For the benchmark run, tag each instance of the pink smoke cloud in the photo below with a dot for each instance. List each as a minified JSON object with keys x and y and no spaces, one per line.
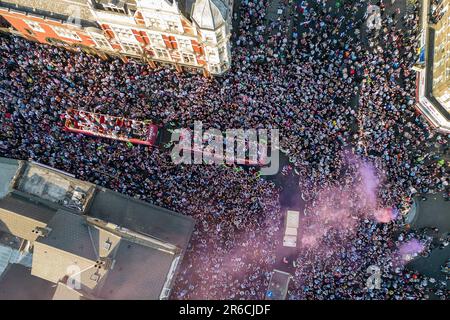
{"x":369,"y":184}
{"x":385,"y":215}
{"x":343,"y":206}
{"x":410,"y":249}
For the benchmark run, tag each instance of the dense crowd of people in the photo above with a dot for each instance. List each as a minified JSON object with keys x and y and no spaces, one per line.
{"x":302,"y":73}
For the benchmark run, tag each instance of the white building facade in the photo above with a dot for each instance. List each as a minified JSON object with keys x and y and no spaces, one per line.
{"x":164,"y":33}
{"x":188,"y":35}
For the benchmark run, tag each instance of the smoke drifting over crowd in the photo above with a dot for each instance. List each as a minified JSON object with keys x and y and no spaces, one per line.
{"x":342,"y":207}
{"x":409,"y":249}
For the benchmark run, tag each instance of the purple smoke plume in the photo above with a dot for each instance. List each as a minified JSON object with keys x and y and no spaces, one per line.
{"x":409,"y":249}
{"x":369,"y":183}
{"x":343,"y":206}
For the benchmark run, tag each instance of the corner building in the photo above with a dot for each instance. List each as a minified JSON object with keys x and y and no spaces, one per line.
{"x":190,"y":35}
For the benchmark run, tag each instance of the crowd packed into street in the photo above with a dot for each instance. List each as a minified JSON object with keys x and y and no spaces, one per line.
{"x":302,"y":75}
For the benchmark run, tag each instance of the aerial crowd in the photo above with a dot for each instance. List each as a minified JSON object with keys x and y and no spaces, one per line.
{"x":334,"y":89}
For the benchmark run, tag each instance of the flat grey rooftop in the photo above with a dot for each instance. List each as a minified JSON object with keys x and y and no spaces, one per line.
{"x":141,"y":266}
{"x":54,"y":186}
{"x":70,"y":233}
{"x":18,"y":284}
{"x":139,"y":273}
{"x":142,"y":217}
{"x":18,"y":205}
{"x":8,"y":169}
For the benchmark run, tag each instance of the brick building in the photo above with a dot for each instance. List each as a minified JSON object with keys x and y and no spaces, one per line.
{"x":190,"y":35}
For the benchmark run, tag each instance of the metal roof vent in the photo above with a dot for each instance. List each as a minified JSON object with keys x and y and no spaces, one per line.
{"x":42,"y":231}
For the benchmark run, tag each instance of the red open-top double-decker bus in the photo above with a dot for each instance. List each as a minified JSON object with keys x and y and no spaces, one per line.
{"x":186,"y":139}
{"x":106,"y":126}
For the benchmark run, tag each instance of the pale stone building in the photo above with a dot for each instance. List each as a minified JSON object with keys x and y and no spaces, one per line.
{"x":433,"y":65}
{"x":189,"y":35}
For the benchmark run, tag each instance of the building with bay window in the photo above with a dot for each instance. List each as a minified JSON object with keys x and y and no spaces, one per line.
{"x":433,"y":65}
{"x":188,"y":35}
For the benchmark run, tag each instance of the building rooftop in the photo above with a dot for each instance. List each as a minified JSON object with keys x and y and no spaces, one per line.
{"x":141,"y":217}
{"x":60,"y":9}
{"x":64,"y":292}
{"x":16,"y":204}
{"x":48,"y":184}
{"x":136,"y":264}
{"x":210,"y":14}
{"x":122,"y":248}
{"x":433,"y":93}
{"x":17,"y":283}
{"x":70,"y":233}
{"x":8,"y":170}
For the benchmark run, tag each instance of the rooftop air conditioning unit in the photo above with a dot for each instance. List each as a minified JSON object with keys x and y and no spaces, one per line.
{"x":42,"y":231}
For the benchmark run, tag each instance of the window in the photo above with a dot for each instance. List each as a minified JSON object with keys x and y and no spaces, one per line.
{"x":35,"y":26}
{"x":131,"y":47}
{"x":156,"y":40}
{"x":101,"y":42}
{"x":185,"y":44}
{"x":124,"y":33}
{"x":154,"y":23}
{"x":66,"y":33}
{"x":188,"y":58}
{"x":172,"y":25}
{"x":162,"y":53}
{"x":221,"y":53}
{"x":438,"y":63}
{"x":212,"y":53}
{"x":219,"y":36}
{"x":113,"y":7}
{"x":437,"y":80}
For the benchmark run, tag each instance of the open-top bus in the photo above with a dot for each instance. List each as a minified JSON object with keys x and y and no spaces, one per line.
{"x":106,"y":126}
{"x":241,"y":146}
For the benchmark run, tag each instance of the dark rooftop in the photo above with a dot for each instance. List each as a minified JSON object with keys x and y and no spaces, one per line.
{"x":17,"y":283}
{"x":141,"y":267}
{"x":70,"y":233}
{"x":142,"y":217}
{"x":139,"y":273}
{"x":21,"y":206}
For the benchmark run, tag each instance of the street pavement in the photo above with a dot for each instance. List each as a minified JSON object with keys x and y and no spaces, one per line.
{"x":432,"y":213}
